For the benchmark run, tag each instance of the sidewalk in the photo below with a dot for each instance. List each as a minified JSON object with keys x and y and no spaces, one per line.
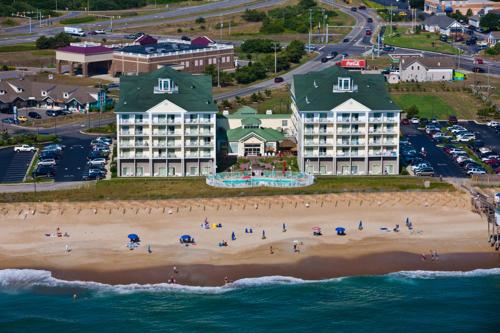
{"x":30,"y":187}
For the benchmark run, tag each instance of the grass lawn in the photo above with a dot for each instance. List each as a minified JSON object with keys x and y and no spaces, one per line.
{"x":429,"y":106}
{"x":78,"y":20}
{"x":181,"y":188}
{"x":18,"y":47}
{"x":420,"y":42}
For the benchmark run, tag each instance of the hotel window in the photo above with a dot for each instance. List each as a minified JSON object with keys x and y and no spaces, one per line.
{"x":186,"y":64}
{"x":209,"y":61}
{"x":223,"y":60}
{"x":344,"y":84}
{"x":284,"y":123}
{"x":193,"y":171}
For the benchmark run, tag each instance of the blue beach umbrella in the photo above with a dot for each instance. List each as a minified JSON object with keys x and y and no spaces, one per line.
{"x":340,"y":230}
{"x":185,"y":238}
{"x":233,"y":236}
{"x":133,"y":237}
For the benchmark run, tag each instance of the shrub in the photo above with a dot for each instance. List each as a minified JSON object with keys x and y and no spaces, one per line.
{"x":200,"y":20}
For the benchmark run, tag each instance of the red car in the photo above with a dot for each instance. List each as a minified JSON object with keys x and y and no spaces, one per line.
{"x":492,"y":161}
{"x":452,"y":120}
{"x":497,"y":171}
{"x":405,"y":121}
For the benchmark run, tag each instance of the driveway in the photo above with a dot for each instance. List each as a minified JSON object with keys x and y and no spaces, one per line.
{"x":443,"y":165}
{"x":13,"y":166}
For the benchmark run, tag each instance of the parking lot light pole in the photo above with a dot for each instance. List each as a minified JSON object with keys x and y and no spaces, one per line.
{"x":33,"y":175}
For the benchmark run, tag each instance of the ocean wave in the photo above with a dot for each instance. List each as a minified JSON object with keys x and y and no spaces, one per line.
{"x":440,"y":274}
{"x":14,"y":280}
{"x":26,"y":279}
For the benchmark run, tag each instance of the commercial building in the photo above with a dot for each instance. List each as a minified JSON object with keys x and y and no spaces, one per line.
{"x":493,"y":38}
{"x":424,"y":69}
{"x":26,"y":93}
{"x":247,"y":133}
{"x":345,"y":123}
{"x":463,"y":6}
{"x":166,"y":125}
{"x":84,"y":58}
{"x":442,"y":24}
{"x":193,"y":56}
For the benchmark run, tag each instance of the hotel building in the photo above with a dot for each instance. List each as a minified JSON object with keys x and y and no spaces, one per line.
{"x":166,"y":125}
{"x":345,"y":123}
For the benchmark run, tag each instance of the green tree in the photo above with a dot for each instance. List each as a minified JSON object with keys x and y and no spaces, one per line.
{"x":469,"y":12}
{"x":251,"y":73}
{"x":200,"y":20}
{"x":259,"y":45}
{"x":412,"y":112}
{"x":490,"y":21}
{"x":252,"y":15}
{"x":295,"y":51}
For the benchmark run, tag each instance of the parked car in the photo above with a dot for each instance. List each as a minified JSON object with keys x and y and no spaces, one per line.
{"x":493,"y":123}
{"x":49,"y":154}
{"x":414,"y":120}
{"x":44,"y":171}
{"x":452,"y":120}
{"x":9,"y":121}
{"x":47,"y":162}
{"x":21,"y":148}
{"x":354,"y":9}
{"x":278,"y":79}
{"x":369,"y":20}
{"x":476,"y":171}
{"x":466,"y":137}
{"x":389,"y":49}
{"x":52,"y":113}
{"x":421,"y":165}
{"x":425,"y":172}
{"x":345,"y":40}
{"x":54,"y":146}
{"x":405,"y":121}
{"x":22,"y":118}
{"x":97,"y":161}
{"x":104,"y":139}
{"x":34,"y":115}
{"x":100,"y":32}
{"x":93,"y":176}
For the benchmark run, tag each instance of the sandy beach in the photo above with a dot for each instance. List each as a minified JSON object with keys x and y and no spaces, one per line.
{"x":97,"y":236}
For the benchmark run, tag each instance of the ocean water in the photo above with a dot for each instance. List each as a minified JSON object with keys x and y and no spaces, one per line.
{"x":416,"y":301}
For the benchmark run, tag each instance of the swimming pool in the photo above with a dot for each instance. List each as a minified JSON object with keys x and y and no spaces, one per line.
{"x":270,"y":179}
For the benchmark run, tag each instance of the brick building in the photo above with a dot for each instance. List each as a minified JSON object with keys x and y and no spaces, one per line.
{"x":193,"y":58}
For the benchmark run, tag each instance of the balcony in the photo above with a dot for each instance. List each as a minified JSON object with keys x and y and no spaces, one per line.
{"x":205,"y":133}
{"x":171,"y":155}
{"x":174,"y":133}
{"x":126,"y":144}
{"x":126,"y":121}
{"x":191,"y":133}
{"x":173,"y":120}
{"x":126,"y":133}
{"x":204,"y":120}
{"x":325,"y":120}
{"x":129,"y":155}
{"x":159,"y":121}
{"x":140,"y":121}
{"x":310,"y":120}
{"x":206,"y":143}
{"x":141,"y":144}
{"x":191,"y":120}
{"x":325,"y":142}
{"x":159,"y":155}
{"x":160,"y":133}
{"x":143,"y":155}
{"x":191,"y":144}
{"x":375,"y":131}
{"x":311,"y":143}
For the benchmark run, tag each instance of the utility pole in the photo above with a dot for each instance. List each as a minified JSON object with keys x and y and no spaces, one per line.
{"x":275,"y":58}
{"x":310,"y":29}
{"x":218,"y":72}
{"x":323,"y":14}
{"x":220,"y":27}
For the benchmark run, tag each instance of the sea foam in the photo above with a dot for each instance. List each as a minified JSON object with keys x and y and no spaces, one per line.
{"x":12,"y":280}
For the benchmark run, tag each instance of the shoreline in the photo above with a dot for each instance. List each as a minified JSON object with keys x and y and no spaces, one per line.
{"x":310,"y":269}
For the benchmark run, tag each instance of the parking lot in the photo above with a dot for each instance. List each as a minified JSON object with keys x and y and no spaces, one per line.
{"x":13,"y":166}
{"x":485,"y":133}
{"x":73,"y":161}
{"x":442,"y":164}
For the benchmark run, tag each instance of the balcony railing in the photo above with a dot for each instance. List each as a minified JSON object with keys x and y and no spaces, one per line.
{"x":191,"y":144}
{"x":174,"y":133}
{"x":173,"y":120}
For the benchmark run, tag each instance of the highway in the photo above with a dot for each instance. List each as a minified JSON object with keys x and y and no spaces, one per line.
{"x":214,"y":9}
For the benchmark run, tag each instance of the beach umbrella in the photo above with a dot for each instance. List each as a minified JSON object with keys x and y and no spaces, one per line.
{"x":185,"y":238}
{"x":316,"y":228}
{"x":233,"y":236}
{"x":133,"y":237}
{"x":340,"y":230}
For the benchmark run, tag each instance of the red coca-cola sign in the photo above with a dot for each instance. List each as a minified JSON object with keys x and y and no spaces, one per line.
{"x":353,"y":63}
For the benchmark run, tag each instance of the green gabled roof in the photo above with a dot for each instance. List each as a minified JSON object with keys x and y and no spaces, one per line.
{"x":194,"y":94}
{"x":250,"y":121}
{"x":267,"y":134}
{"x":314,"y":91}
{"x":245,"y":110}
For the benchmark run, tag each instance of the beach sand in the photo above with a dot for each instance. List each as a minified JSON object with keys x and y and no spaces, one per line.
{"x":442,"y":222}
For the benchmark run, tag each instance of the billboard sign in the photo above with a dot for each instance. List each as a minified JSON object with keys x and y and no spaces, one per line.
{"x":353,"y":63}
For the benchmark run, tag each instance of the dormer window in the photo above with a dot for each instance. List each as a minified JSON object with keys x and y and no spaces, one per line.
{"x":65,"y":95}
{"x":344,"y":84}
{"x":20,"y":90}
{"x":44,"y":93}
{"x":165,"y":86}
{"x":2,"y":92}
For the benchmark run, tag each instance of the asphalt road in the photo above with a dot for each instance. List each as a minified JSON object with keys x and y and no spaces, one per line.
{"x":177,"y":15}
{"x":443,"y":165}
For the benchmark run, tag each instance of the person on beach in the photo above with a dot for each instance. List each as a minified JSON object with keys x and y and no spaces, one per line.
{"x":436,"y":257}
{"x":360,"y":225}
{"x":432,"y":255}
{"x":226,"y":280}
{"x":175,"y":270}
{"x":149,"y":249}
{"x":263,"y":234}
{"x":271,"y":250}
{"x":284,"y":227}
{"x":295,"y":250}
{"x":424,"y":257}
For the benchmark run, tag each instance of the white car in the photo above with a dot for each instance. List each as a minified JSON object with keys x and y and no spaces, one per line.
{"x":47,"y":162}
{"x":457,"y":129}
{"x":24,"y":148}
{"x":454,"y":151}
{"x":466,"y":138}
{"x":493,"y":123}
{"x":476,"y":171}
{"x":100,"y":32}
{"x":484,"y":150}
{"x":97,"y":161}
{"x":414,"y":121}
